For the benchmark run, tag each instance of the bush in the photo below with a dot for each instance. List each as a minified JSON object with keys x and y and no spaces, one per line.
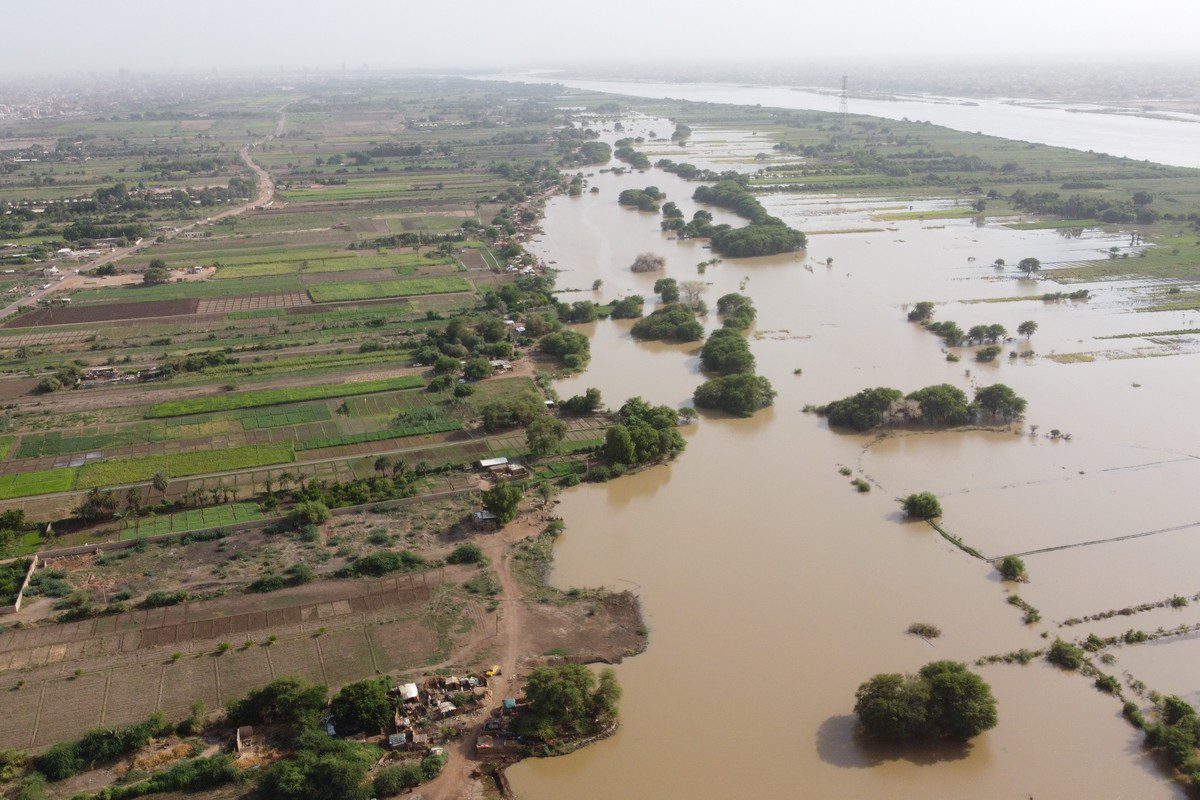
{"x":391,"y":781}
{"x":308,"y":512}
{"x":1012,"y":568}
{"x":466,"y":554}
{"x":648,"y":262}
{"x":1065,"y":655}
{"x":377,"y":565}
{"x":922,"y":505}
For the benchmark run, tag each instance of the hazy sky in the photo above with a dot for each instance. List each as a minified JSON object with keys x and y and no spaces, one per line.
{"x":103,"y":35}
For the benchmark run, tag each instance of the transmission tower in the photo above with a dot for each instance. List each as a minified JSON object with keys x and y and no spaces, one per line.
{"x":844,"y":106}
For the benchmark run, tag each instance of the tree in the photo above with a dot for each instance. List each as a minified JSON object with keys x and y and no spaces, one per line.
{"x":741,"y":394}
{"x":960,"y":704}
{"x":1142,"y":198}
{"x":999,"y":402}
{"x":99,"y":504}
{"x":1027,"y":328}
{"x":1029,"y":265}
{"x":672,"y":322}
{"x":648,"y":262}
{"x":157,"y":263}
{"x":943,"y":404}
{"x":477,"y":369}
{"x":362,"y":706}
{"x":1012,"y":568}
{"x":944,"y":700}
{"x":922,"y":505}
{"x":585,"y":403}
{"x":727,"y":352}
{"x":921,"y":311}
{"x":503,"y":500}
{"x":667,"y":289}
{"x":861,"y":411}
{"x":384,"y":464}
{"x":154,"y":276}
{"x":288,"y":701}
{"x":545,"y":434}
{"x":160,"y":481}
{"x":891,"y":706}
{"x":565,"y":702}
{"x":618,"y":446}
{"x":693,"y":292}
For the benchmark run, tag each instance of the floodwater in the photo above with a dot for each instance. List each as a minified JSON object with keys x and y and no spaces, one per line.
{"x":772,"y":588}
{"x":1081,"y":127}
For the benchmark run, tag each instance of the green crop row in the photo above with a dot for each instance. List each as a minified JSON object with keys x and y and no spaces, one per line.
{"x":379,"y":436}
{"x":272,"y":397}
{"x":368,"y":290}
{"x":141,"y":468}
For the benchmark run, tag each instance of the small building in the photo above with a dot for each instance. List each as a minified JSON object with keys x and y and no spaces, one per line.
{"x":500,"y":365}
{"x":510,"y":704}
{"x":409,"y":693}
{"x":485,"y":521}
{"x":398,"y":741}
{"x":445,"y":708}
{"x":492,"y":463}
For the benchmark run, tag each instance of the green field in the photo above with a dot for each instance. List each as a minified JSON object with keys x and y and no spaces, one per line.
{"x":366,"y":290}
{"x":378,"y":436}
{"x":273,"y":397}
{"x":42,"y":481}
{"x":141,"y":468}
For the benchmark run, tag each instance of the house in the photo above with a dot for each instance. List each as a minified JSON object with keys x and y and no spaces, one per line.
{"x":485,"y":521}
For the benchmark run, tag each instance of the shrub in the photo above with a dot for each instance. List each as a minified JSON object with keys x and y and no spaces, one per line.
{"x":1012,"y":568}
{"x":308,"y":512}
{"x":1065,"y":655}
{"x":391,"y":781}
{"x":466,"y":554}
{"x":922,"y":505}
{"x":648,"y":262}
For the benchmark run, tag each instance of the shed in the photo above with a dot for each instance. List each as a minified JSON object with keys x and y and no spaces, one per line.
{"x":485,"y":521}
{"x":398,"y":741}
{"x":489,"y":463}
{"x":409,"y":692}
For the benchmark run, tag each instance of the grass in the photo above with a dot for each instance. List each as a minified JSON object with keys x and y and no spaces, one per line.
{"x":42,"y":481}
{"x":140,"y":468}
{"x":368,"y":290}
{"x":271,"y":397}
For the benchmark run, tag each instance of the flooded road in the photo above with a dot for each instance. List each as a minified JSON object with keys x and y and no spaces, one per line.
{"x":772,"y":588}
{"x":1165,"y":141}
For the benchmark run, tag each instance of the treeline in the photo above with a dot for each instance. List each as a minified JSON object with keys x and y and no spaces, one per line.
{"x":765,"y":235}
{"x":938,"y":405}
{"x":736,"y":389}
{"x":1078,"y":206}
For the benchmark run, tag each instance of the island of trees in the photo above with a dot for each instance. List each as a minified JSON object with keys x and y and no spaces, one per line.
{"x":735,"y":389}
{"x":944,"y":700}
{"x":941,"y":405}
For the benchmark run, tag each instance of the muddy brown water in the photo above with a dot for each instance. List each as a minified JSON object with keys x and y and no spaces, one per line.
{"x":772,"y":588}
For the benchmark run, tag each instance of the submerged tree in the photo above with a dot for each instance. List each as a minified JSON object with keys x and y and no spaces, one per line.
{"x":945,"y":700}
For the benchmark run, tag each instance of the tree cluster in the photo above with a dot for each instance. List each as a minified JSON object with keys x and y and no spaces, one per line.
{"x":940,"y":405}
{"x":944,"y":700}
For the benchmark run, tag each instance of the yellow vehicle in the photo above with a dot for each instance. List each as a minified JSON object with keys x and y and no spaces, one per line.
{"x":493,"y":672}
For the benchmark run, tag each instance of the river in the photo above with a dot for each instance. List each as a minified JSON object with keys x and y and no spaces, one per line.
{"x":1165,"y":141}
{"x":772,"y":588}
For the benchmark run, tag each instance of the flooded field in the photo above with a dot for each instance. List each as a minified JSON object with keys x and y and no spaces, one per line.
{"x":772,"y":588}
